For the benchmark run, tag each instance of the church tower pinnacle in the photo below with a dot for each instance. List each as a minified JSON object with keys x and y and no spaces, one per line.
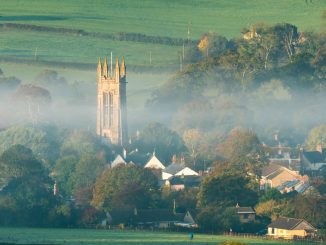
{"x":111,"y":103}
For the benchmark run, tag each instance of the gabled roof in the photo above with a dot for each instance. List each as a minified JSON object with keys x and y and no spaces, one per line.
{"x":269,"y":169}
{"x":120,"y":216}
{"x":186,"y":171}
{"x":173,"y":168}
{"x":273,"y":170}
{"x":138,"y":158}
{"x":291,"y":163}
{"x":315,"y":156}
{"x":288,"y":184}
{"x":118,"y":159}
{"x":132,"y":215}
{"x":289,"y":223}
{"x":156,"y":215}
{"x":154,"y":163}
{"x":245,"y":210}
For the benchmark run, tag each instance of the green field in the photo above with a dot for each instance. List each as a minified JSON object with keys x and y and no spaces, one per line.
{"x":170,"y":18}
{"x":85,"y":236}
{"x":24,"y":53}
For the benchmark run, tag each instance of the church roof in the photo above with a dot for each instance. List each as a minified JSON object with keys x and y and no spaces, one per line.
{"x":154,"y":163}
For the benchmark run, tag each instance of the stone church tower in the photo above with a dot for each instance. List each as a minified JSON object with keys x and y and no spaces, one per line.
{"x":111,"y":103}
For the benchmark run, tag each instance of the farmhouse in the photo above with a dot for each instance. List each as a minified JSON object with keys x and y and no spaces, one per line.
{"x":289,"y":228}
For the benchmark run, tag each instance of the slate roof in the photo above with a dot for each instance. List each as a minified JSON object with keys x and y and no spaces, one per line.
{"x":287,"y":223}
{"x":173,"y":168}
{"x":245,"y":210}
{"x":138,"y":158}
{"x":269,"y":169}
{"x":142,"y":216}
{"x":121,"y":216}
{"x":315,"y":156}
{"x":156,"y":215}
{"x":293,"y":164}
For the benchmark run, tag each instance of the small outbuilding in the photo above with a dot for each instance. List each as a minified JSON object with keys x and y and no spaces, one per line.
{"x":246,"y":214}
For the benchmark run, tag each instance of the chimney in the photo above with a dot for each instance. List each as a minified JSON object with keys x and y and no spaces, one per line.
{"x":124,"y":153}
{"x":174,"y":159}
{"x":55,"y":190}
{"x":319,"y":148}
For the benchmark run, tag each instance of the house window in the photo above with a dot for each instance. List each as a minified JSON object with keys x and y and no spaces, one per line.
{"x":245,"y":216}
{"x":273,"y":231}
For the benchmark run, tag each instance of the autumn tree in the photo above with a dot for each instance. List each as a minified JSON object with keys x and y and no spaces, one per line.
{"x":226,"y":190}
{"x":212,"y":44}
{"x":316,"y":136}
{"x":126,"y":186}
{"x":243,"y":150}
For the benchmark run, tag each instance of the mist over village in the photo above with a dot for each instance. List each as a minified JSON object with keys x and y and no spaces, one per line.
{"x":155,"y":122}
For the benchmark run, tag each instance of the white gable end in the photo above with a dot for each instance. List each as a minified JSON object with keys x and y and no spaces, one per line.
{"x":154,"y":163}
{"x":166,"y":176}
{"x":117,"y":161}
{"x":186,"y":172}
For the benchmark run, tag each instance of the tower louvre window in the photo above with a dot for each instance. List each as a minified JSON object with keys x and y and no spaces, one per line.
{"x":110,"y":109}
{"x":105,"y":110}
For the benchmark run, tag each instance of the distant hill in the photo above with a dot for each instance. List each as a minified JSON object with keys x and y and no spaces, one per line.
{"x":149,"y":33}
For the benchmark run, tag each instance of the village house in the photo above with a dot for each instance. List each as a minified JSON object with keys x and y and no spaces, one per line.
{"x":177,"y":169}
{"x":154,"y":163}
{"x":246,"y":214}
{"x":282,"y":178}
{"x":118,"y":160}
{"x":313,"y":161}
{"x":289,"y":228}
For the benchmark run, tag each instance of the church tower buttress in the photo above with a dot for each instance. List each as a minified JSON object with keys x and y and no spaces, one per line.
{"x":112,"y":103}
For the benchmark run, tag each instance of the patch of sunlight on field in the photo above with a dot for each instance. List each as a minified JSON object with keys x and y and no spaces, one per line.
{"x":164,"y":17}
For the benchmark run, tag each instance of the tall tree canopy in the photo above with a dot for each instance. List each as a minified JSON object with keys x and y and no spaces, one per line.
{"x":26,"y":197}
{"x":126,"y":186}
{"x":316,"y":136}
{"x":157,"y":137}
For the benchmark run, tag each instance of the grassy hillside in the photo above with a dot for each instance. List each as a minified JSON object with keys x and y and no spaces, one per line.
{"x":83,"y":236}
{"x":168,"y":18}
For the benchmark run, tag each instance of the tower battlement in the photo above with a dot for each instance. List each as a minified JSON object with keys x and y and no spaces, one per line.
{"x":112,"y":102}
